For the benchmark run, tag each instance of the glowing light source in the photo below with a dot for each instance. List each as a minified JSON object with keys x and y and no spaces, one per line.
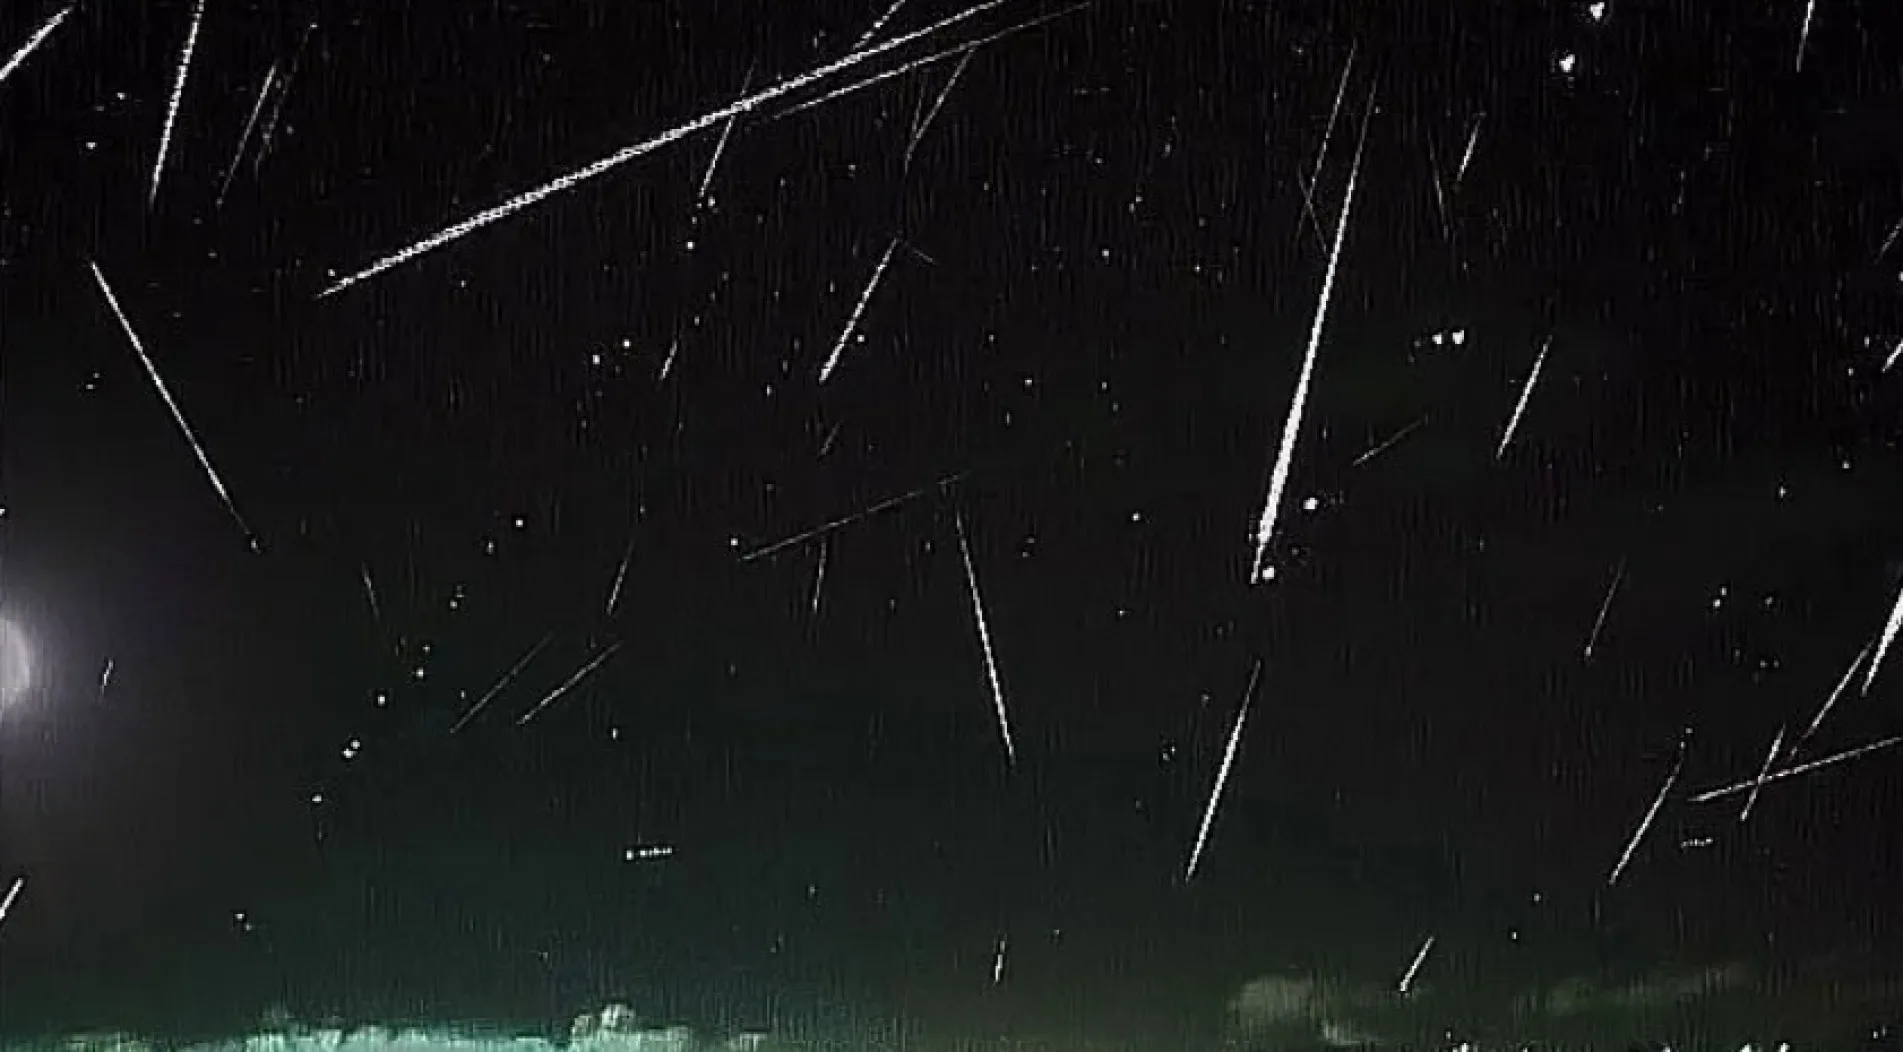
{"x":16,"y":664}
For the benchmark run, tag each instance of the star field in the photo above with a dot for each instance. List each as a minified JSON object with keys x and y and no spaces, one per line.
{"x":1171,"y":524}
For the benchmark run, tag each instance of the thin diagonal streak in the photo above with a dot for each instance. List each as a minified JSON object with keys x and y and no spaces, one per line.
{"x":751,"y":102}
{"x":500,"y":684}
{"x":925,"y":124}
{"x":1884,"y":642}
{"x":33,"y":43}
{"x":250,"y":123}
{"x":966,"y":49}
{"x":569,"y":684}
{"x":1420,"y":958}
{"x":1292,"y":427}
{"x":1605,"y":606}
{"x":178,"y":96}
{"x":178,"y":417}
{"x":1526,"y":395}
{"x":1835,"y":693}
{"x":726,"y":132}
{"x":1388,"y":443}
{"x":846,"y":520}
{"x":1321,"y":154}
{"x":984,"y":641}
{"x":878,"y":24}
{"x":1757,"y":784}
{"x":1222,"y":775}
{"x":858,"y":312}
{"x":1792,"y":772}
{"x":1803,"y":35}
{"x":1645,"y":824}
{"x":13,"y":896}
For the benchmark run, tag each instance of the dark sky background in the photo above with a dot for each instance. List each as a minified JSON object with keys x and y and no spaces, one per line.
{"x":1094,"y":317}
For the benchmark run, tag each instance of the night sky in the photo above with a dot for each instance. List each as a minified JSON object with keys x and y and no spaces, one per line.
{"x":1596,"y":478}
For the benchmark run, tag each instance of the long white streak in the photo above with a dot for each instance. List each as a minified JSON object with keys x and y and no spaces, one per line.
{"x":925,"y":123}
{"x":878,"y":24}
{"x":984,"y":641}
{"x":819,"y":573}
{"x":1526,"y":395}
{"x":1388,"y":443}
{"x":1467,"y":155}
{"x":621,"y":574}
{"x":1650,"y":814}
{"x":751,"y":102}
{"x":13,"y":895}
{"x":33,"y":42}
{"x":1420,"y":958}
{"x":726,"y":132}
{"x":178,"y":95}
{"x":568,"y":685}
{"x":1835,"y":692}
{"x":1803,"y":35}
{"x":105,"y":679}
{"x":1895,"y":353}
{"x":1278,"y":481}
{"x":178,"y":417}
{"x":852,"y":323}
{"x":1777,"y":746}
{"x":507,"y":678}
{"x":826,"y":528}
{"x":1222,"y":775}
{"x":1792,"y":772}
{"x":1328,"y":134}
{"x":997,"y":960}
{"x":1605,"y":604}
{"x":1883,"y":644}
{"x":237,"y":156}
{"x":918,"y":63}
